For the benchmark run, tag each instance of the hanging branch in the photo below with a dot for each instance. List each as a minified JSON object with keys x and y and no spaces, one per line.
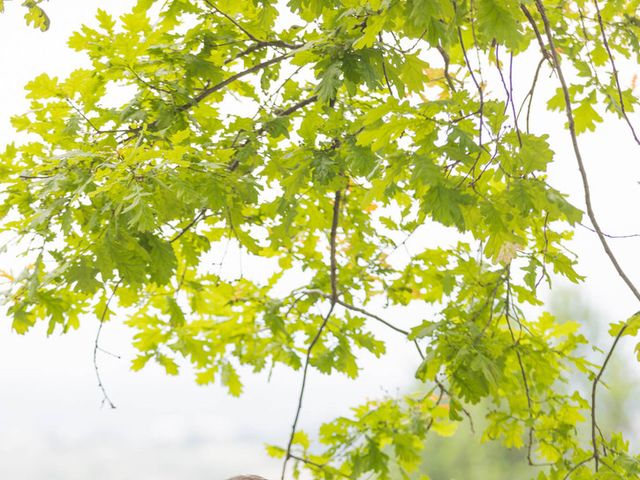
{"x":334,"y":299}
{"x":528,"y":98}
{"x":592,"y":217}
{"x":96,"y":348}
{"x":513,"y":105}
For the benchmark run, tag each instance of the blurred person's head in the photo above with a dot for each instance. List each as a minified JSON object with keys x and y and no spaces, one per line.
{"x":247,"y":477}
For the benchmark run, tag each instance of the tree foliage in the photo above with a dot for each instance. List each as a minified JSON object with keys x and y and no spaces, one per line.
{"x":315,"y":138}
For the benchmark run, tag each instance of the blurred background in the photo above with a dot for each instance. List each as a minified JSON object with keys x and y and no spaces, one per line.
{"x":52,"y":425}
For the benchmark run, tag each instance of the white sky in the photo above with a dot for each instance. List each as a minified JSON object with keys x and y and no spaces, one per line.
{"x":51,"y":424}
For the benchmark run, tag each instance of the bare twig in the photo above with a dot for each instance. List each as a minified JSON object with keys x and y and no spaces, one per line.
{"x":513,"y":105}
{"x":35,"y":177}
{"x":82,"y":114}
{"x":96,"y":347}
{"x":608,"y":235}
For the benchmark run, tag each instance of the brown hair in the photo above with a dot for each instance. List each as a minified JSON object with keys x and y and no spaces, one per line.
{"x":247,"y":477}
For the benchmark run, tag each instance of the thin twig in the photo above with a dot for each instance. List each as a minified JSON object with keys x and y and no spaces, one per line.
{"x":464,"y":410}
{"x":447,"y":74}
{"x":232,"y":20}
{"x":235,"y":163}
{"x":257,"y":46}
{"x":508,"y":92}
{"x":513,"y":105}
{"x":111,"y":354}
{"x":477,"y":84}
{"x":201,"y":216}
{"x":36,"y":177}
{"x":325,"y":320}
{"x":594,"y":386}
{"x":577,"y":466}
{"x":319,"y":466}
{"x":96,"y":348}
{"x":529,"y":95}
{"x":82,"y":114}
{"x":608,"y":235}
{"x":616,"y":77}
{"x":431,"y":420}
{"x":516,"y":344}
{"x":349,"y":306}
{"x":384,"y":69}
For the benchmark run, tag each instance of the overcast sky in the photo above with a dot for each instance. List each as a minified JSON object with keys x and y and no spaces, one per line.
{"x":51,"y":423}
